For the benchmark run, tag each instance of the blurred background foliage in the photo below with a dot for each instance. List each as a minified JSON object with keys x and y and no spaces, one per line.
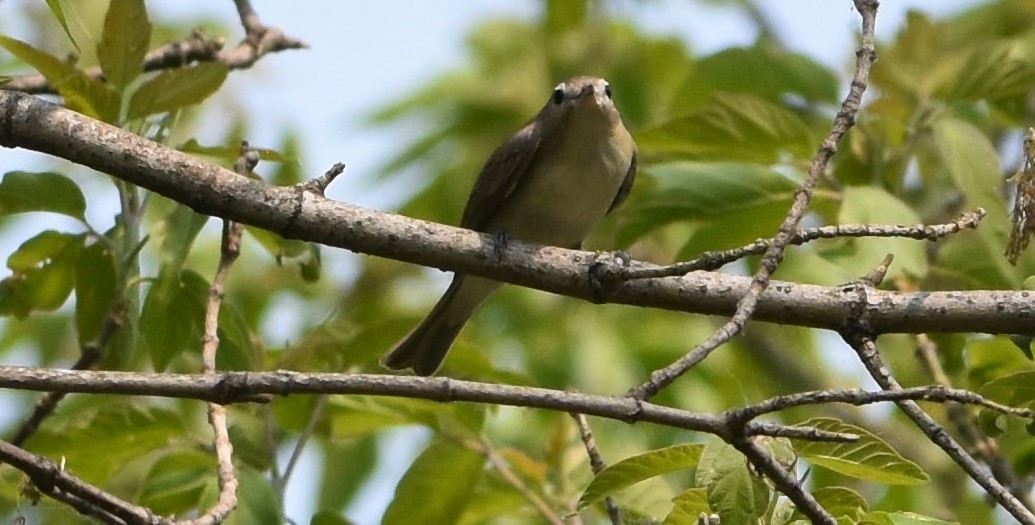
{"x":724,"y":140}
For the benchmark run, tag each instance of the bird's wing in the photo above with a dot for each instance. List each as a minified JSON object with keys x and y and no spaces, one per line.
{"x":627,"y":185}
{"x":500,"y":176}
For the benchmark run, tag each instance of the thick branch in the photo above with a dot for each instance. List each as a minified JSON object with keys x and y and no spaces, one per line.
{"x":31,"y":123}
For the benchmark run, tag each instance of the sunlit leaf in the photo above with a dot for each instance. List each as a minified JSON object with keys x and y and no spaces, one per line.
{"x":632,"y":470}
{"x":129,"y":430}
{"x":229,"y":154}
{"x":839,"y":502}
{"x":175,"y":89}
{"x":738,"y":202}
{"x":176,"y":233}
{"x":733,"y":127}
{"x":124,"y":41}
{"x":870,"y":205}
{"x":990,"y":358}
{"x":995,"y":70}
{"x":424,"y":496}
{"x":1014,"y":390}
{"x":736,"y":493}
{"x":59,"y":14}
{"x":969,"y":161}
{"x":22,"y":191}
{"x":902,"y":518}
{"x":870,"y":458}
{"x":82,"y":93}
{"x":687,"y":507}
{"x":789,"y":77}
{"x":43,"y":273}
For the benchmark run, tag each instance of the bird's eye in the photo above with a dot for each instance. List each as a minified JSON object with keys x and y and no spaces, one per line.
{"x":607,"y":90}
{"x":558,"y":96}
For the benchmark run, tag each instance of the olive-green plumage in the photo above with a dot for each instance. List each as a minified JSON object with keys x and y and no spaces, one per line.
{"x":551,"y":183}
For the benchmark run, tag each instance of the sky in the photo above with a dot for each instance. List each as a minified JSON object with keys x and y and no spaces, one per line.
{"x":364,"y":55}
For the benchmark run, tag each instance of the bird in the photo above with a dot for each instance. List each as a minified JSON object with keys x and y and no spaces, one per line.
{"x":550,"y":183}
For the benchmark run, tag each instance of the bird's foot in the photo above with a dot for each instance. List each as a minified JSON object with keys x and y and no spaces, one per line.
{"x":502,"y":239}
{"x":604,"y":270}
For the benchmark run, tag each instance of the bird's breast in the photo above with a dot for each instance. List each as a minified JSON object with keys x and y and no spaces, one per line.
{"x":568,"y":189}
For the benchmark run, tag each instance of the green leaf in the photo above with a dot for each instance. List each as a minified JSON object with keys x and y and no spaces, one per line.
{"x":236,"y":351}
{"x":437,"y":486}
{"x":124,"y":42}
{"x":738,"y":495}
{"x":995,"y":70}
{"x":177,"y":482}
{"x":687,"y":507}
{"x":839,"y":502}
{"x":95,"y":287}
{"x":59,"y":14}
{"x":963,"y":154}
{"x":1014,"y":390}
{"x":43,"y":273}
{"x":635,"y":469}
{"x":172,"y":317}
{"x":172,"y":322}
{"x":82,"y":93}
{"x":23,"y":191}
{"x":326,"y":517}
{"x":735,"y":70}
{"x":349,"y":464}
{"x":230,"y":154}
{"x":733,"y":127}
{"x":361,"y":415}
{"x":989,"y":358}
{"x":902,"y":518}
{"x":872,"y":205}
{"x":305,"y":254}
{"x":128,"y":429}
{"x":257,"y":503}
{"x":734,"y":202}
{"x":177,"y":232}
{"x":870,"y":458}
{"x":175,"y":89}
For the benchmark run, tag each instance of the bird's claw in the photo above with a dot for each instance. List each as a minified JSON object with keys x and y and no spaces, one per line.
{"x":605,"y":269}
{"x":502,"y":239}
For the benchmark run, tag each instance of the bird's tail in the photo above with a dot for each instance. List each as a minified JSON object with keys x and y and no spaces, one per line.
{"x":424,"y":348}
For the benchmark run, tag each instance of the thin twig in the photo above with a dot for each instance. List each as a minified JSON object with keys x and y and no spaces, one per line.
{"x":90,"y":353}
{"x":197,"y":47}
{"x":596,"y":462}
{"x":933,"y":393}
{"x":863,"y":344}
{"x":485,"y":449}
{"x":844,"y":120}
{"x":715,"y":260}
{"x":783,"y":480}
{"x":50,"y":479}
{"x":310,"y":428}
{"x":230,"y":249}
{"x":970,"y":433}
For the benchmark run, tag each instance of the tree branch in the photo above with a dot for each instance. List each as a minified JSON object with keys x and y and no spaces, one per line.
{"x":237,"y":386}
{"x":197,"y":47}
{"x":292,"y":212}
